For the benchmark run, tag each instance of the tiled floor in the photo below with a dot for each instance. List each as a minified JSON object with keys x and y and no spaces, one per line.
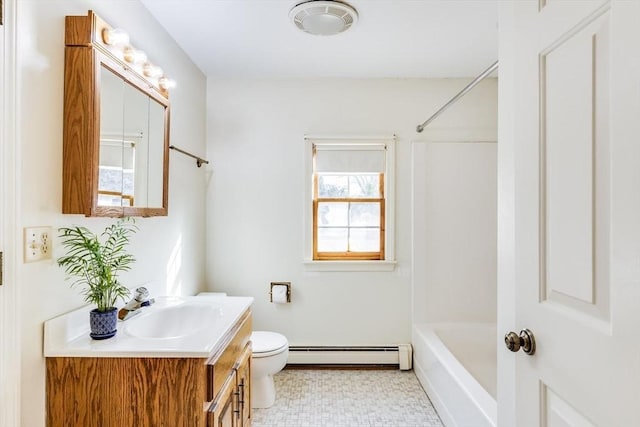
{"x":347,"y":398}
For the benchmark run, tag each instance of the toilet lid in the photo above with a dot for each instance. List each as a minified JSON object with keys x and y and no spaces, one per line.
{"x":265,"y":341}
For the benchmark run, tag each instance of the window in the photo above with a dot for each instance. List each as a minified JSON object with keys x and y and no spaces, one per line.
{"x":350,"y":203}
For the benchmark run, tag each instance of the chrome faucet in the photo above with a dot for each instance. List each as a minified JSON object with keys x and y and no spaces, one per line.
{"x":140,"y":299}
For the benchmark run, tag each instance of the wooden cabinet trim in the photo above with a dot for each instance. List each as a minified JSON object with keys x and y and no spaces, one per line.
{"x":224,"y":359}
{"x":79,"y":127}
{"x":243,"y":372}
{"x":240,"y":327}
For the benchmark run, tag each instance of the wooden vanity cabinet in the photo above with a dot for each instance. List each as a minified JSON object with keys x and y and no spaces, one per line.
{"x":154,"y":391}
{"x":231,"y":377}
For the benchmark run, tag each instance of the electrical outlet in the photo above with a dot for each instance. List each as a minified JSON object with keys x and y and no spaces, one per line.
{"x":37,"y":243}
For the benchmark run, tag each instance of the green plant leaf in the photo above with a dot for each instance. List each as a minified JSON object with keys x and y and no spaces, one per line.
{"x":95,"y":265}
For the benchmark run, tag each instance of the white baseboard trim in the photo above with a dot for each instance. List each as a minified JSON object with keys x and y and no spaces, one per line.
{"x":377,"y":355}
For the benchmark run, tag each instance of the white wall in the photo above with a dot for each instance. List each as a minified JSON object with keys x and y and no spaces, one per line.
{"x":255,"y":196}
{"x":169,"y":250}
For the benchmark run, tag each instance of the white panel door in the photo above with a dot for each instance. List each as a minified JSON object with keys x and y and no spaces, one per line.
{"x":576,"y":180}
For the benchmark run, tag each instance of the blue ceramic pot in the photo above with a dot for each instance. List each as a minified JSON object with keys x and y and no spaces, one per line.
{"x":103,"y":323}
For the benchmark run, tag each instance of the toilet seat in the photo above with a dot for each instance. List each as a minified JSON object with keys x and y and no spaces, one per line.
{"x":265,"y":343}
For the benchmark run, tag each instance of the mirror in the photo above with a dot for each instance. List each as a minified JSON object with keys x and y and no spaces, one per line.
{"x":116,"y":129}
{"x":131,"y":145}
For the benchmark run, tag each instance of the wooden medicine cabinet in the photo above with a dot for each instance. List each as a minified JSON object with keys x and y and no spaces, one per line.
{"x":116,"y":125}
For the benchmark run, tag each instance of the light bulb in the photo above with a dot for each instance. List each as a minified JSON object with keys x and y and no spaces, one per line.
{"x":151,"y":70}
{"x":166,"y":83}
{"x":134,"y":56}
{"x":115,"y":36}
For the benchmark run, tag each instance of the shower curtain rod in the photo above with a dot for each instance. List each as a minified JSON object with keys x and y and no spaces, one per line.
{"x":460,"y":94}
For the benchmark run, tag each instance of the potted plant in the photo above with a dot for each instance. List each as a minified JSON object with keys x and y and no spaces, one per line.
{"x":95,"y":263}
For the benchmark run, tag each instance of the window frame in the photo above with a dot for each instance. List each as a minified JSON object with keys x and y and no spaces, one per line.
{"x":348,"y":255}
{"x":386,"y":260}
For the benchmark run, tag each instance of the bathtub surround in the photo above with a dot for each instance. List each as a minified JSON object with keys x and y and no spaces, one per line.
{"x":454,"y":275}
{"x":255,"y":199}
{"x":454,"y":228}
{"x":169,"y":250}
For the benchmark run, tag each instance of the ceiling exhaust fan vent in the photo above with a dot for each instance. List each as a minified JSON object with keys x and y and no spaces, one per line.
{"x":323,"y":18}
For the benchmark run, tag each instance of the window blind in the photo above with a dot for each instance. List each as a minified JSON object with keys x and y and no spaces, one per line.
{"x":350,"y":158}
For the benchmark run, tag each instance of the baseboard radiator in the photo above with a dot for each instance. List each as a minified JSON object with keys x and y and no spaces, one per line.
{"x":400,"y":355}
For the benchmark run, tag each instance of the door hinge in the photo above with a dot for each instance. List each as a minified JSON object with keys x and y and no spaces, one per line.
{"x":1,"y":269}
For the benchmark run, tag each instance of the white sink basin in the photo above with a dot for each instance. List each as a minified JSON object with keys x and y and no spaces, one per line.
{"x":175,"y":326}
{"x":174,"y":321}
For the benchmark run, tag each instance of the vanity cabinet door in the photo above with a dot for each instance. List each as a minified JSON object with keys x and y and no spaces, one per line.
{"x":244,"y":387}
{"x":224,"y":410}
{"x":127,"y":391}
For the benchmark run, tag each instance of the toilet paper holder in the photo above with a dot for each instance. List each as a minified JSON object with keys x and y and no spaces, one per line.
{"x":287,"y":284}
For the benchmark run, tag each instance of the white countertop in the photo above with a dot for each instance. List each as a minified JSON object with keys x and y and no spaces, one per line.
{"x":68,"y":335}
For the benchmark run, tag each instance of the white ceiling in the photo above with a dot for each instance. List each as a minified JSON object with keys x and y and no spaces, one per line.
{"x":393,"y":38}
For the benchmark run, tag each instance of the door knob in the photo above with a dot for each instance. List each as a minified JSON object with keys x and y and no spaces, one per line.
{"x":525,"y":340}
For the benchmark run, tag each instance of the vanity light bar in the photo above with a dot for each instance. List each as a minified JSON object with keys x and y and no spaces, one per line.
{"x":118,"y":39}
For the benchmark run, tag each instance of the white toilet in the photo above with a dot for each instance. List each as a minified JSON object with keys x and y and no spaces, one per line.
{"x":270,"y":352}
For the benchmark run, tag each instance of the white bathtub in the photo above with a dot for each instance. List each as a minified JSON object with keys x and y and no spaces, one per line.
{"x":456,"y":365}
